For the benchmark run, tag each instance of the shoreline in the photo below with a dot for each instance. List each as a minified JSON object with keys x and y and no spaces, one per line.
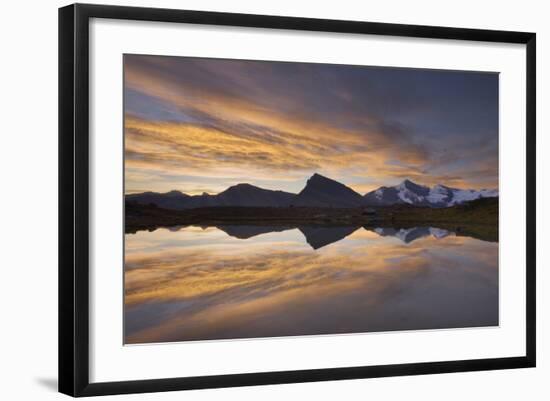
{"x":478,"y":219}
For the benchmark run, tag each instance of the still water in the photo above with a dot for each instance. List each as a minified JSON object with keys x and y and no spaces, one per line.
{"x":226,"y":282}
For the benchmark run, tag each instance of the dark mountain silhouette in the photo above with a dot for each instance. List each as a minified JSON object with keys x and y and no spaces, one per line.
{"x":249,"y":195}
{"x":321,"y":191}
{"x":168,"y":200}
{"x":244,"y":195}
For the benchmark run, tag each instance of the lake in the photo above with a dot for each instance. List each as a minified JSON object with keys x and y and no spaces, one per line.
{"x":229,"y":282}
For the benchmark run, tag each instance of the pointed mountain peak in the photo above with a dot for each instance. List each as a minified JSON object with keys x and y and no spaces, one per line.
{"x":321,"y":191}
{"x":317,"y":179}
{"x":408,"y":184}
{"x":321,"y":182}
{"x":317,"y":176}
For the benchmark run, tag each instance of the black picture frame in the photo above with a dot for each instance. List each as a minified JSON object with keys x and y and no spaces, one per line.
{"x":74,"y":201}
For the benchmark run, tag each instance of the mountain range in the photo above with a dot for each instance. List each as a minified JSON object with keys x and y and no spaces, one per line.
{"x":319,"y":191}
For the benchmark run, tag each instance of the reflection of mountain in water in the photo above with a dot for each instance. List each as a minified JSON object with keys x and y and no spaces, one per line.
{"x":316,"y":236}
{"x":408,"y":235}
{"x":249,"y":231}
{"x":319,"y":237}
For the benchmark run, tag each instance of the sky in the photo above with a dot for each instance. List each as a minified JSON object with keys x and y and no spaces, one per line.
{"x":202,"y":125}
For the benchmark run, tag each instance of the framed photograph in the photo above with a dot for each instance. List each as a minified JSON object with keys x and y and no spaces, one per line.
{"x":249,"y":199}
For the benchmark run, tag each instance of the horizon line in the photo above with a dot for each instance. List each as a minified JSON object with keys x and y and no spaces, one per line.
{"x":135,"y":192}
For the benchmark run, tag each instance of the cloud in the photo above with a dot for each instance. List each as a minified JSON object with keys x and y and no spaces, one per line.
{"x":278,"y":123}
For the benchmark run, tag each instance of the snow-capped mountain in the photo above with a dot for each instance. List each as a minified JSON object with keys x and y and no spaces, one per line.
{"x":408,"y":192}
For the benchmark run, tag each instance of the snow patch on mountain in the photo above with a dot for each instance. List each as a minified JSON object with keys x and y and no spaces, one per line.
{"x":439,"y":232}
{"x":408,"y":196}
{"x":411,"y":193}
{"x":438,"y":193}
{"x":405,"y":196}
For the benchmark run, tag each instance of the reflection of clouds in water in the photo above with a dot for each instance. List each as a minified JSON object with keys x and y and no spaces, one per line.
{"x":163,"y":238}
{"x":203,"y":284}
